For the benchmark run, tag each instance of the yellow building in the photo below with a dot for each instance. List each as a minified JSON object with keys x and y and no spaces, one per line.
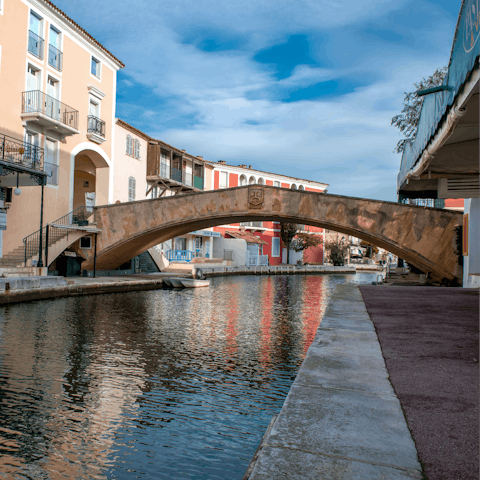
{"x":57,"y":119}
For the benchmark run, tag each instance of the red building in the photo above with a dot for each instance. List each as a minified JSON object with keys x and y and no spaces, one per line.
{"x":228,"y":176}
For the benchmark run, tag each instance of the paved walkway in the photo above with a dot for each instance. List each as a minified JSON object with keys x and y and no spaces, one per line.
{"x":341,"y":418}
{"x":429,"y":339}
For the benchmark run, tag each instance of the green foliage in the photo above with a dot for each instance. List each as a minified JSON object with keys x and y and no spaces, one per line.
{"x":305,"y":240}
{"x":337,"y":251}
{"x":407,"y":120}
{"x":287,"y":233}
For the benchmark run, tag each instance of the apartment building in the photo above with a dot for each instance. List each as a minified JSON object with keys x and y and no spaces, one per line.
{"x":57,"y":121}
{"x":263,"y":238}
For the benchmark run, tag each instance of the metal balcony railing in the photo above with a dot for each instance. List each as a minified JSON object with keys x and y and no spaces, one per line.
{"x":52,"y":170}
{"x":176,"y":175}
{"x":180,"y":255}
{"x":425,"y":202}
{"x":21,"y":153}
{"x":95,"y":125}
{"x":55,"y":57}
{"x":252,"y":224}
{"x":50,"y":234}
{"x":35,"y":101}
{"x":35,"y":44}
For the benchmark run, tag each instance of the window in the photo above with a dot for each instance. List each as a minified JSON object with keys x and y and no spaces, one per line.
{"x":131,"y":189}
{"x":276,"y":183}
{"x":54,"y":53}
{"x":95,"y":68}
{"x":293,"y":187}
{"x":35,"y":40}
{"x":86,"y":243}
{"x":137,"y":149}
{"x":275,"y":246}
{"x":51,"y":161}
{"x":243,"y":180}
{"x":251,"y":181}
{"x":261,"y":181}
{"x":301,"y":187}
{"x":223,"y":179}
{"x":129,"y":145}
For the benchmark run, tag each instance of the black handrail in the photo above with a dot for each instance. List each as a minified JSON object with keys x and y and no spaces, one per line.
{"x":96,"y":125}
{"x":35,"y":44}
{"x":55,"y":57}
{"x":35,"y":101}
{"x":80,"y":216}
{"x":21,"y":153}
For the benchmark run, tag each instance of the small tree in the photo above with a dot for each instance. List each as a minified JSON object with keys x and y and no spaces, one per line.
{"x":287,"y":234}
{"x":337,"y":251}
{"x":304,"y":240}
{"x":407,"y":121}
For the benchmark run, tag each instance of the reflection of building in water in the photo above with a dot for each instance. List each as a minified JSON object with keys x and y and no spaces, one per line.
{"x":266,"y":324}
{"x":71,"y":386}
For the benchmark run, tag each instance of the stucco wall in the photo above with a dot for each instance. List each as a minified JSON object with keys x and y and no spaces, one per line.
{"x":126,"y":166}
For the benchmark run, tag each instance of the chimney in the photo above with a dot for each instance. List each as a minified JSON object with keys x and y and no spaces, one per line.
{"x":222,"y":162}
{"x":200,"y":157}
{"x":250,"y":167}
{"x":242,"y":166}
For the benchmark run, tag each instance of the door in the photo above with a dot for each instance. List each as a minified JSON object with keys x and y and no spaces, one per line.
{"x":32,"y":96}
{"x":253,"y":251}
{"x":90,"y":201}
{"x":52,"y":104}
{"x":198,"y":246}
{"x":180,"y":243}
{"x":93,"y":111}
{"x":54,"y":49}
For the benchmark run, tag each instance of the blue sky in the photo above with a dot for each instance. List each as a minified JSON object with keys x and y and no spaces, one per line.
{"x":305,"y":88}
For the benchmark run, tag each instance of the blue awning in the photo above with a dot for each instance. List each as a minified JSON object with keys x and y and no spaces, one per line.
{"x":464,"y":59}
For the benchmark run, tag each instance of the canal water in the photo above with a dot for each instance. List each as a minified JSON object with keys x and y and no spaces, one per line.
{"x":165,"y":384}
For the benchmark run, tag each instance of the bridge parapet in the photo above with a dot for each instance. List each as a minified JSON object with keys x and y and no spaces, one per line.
{"x":422,"y":236}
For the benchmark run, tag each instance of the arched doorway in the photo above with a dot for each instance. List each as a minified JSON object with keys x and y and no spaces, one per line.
{"x":91,"y":178}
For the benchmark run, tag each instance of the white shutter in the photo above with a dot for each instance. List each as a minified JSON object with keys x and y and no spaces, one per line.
{"x":137,"y":149}
{"x":131,"y":189}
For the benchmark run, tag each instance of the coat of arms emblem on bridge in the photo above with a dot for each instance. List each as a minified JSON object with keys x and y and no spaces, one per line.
{"x":255,"y":197}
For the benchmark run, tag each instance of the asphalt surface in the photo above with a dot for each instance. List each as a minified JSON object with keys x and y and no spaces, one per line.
{"x":429,"y":340}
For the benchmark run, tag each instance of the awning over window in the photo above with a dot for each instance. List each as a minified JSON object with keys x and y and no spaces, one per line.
{"x":248,"y":237}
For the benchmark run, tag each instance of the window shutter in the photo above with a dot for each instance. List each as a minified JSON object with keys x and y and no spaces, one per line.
{"x":131,"y":189}
{"x":137,"y":149}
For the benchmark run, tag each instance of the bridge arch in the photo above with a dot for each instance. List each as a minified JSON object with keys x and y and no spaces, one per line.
{"x":422,"y":236}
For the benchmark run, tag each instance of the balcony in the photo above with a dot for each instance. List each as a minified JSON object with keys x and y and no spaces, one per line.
{"x":35,"y":44}
{"x":252,"y":225}
{"x":45,"y":114}
{"x":95,"y":129}
{"x":55,"y":58}
{"x":21,"y":163}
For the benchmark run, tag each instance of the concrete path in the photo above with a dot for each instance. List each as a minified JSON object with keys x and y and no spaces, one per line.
{"x":429,"y":339}
{"x":341,"y":418}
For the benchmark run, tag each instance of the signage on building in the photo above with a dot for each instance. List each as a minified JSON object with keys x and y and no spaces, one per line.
{"x":206,"y":233}
{"x":3,"y":219}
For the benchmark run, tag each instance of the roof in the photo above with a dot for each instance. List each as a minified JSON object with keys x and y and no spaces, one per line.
{"x":216,"y":164}
{"x":248,"y":237}
{"x":78,"y":27}
{"x":134,"y":130}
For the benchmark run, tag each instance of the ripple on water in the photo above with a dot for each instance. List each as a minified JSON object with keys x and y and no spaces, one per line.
{"x":158,"y":384}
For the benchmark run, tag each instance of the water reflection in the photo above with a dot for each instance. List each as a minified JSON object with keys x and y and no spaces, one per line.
{"x":161,"y":384}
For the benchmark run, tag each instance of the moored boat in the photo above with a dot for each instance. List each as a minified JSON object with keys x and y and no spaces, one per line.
{"x":177,"y":282}
{"x":167,"y":282}
{"x":193,"y":282}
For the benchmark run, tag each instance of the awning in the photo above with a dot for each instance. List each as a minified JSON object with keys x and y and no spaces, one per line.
{"x":248,"y":237}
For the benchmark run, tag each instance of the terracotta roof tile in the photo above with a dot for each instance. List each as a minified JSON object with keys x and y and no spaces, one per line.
{"x":248,"y":237}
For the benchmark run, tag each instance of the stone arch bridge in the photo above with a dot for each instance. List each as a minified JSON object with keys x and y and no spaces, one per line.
{"x":422,"y":236}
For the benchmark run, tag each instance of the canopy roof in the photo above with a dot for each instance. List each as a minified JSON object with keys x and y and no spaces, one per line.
{"x":248,"y":237}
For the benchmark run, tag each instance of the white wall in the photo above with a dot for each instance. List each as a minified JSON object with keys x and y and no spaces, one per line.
{"x":294,"y":256}
{"x":237,"y":245}
{"x":471,"y":262}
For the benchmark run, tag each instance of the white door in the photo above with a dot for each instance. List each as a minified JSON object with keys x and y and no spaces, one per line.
{"x":32,"y":98}
{"x":90,"y":201}
{"x":52,"y":103}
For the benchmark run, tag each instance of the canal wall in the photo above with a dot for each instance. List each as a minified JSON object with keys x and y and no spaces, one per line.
{"x":209,"y":271}
{"x":341,"y":418}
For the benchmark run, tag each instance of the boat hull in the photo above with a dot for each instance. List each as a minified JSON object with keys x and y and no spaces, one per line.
{"x":194,"y":283}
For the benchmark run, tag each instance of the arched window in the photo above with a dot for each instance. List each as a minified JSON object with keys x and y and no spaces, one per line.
{"x":301,"y":187}
{"x":131,"y":189}
{"x":251,"y":181}
{"x":243,"y":180}
{"x":129,"y":145}
{"x":261,"y":181}
{"x":293,"y":187}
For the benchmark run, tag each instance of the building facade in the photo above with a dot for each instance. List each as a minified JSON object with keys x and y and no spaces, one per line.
{"x":270,"y":250}
{"x":57,"y":121}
